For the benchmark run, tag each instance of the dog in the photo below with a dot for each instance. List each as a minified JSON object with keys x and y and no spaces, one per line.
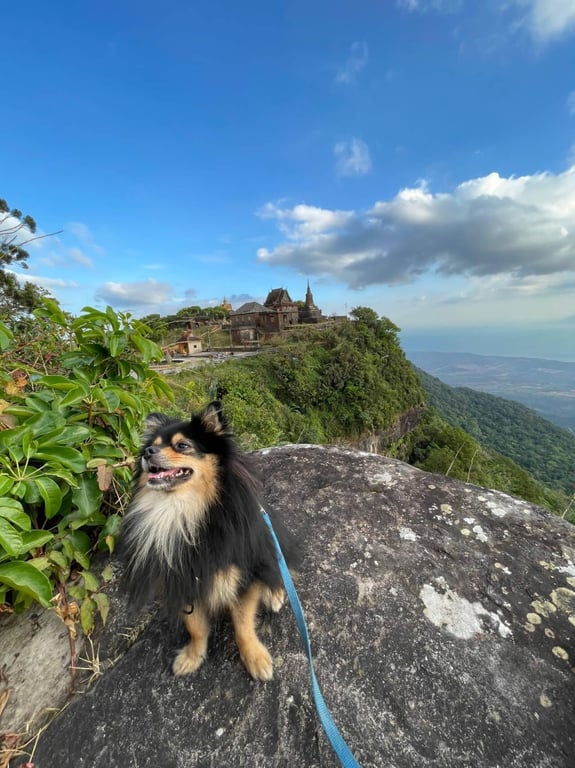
{"x":194,"y":528}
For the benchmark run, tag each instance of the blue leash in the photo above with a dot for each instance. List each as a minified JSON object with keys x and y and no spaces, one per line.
{"x":340,"y":748}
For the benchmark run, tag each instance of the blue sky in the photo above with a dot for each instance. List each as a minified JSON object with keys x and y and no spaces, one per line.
{"x":415,"y":156}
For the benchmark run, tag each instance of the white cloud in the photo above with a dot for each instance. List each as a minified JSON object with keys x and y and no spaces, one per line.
{"x":518,"y":226}
{"x":441,"y":6}
{"x":83,"y":234}
{"x":50,"y":283}
{"x":352,"y":158}
{"x":79,"y":257}
{"x":544,"y":20}
{"x":355,"y":62}
{"x":549,"y":19}
{"x":148,"y":292}
{"x":303,"y":221}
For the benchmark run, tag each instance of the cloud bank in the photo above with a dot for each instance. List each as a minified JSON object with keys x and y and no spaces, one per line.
{"x":518,"y":226}
{"x":144,"y":293}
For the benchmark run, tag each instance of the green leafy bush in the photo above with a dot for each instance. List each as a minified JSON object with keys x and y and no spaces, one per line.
{"x":71,"y":409}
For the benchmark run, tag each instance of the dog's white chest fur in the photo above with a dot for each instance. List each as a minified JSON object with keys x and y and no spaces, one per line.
{"x":161,"y":520}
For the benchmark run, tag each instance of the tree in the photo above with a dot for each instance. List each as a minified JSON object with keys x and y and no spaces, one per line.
{"x":16,"y":231}
{"x":365,"y":315}
{"x":157,"y":325}
{"x":189,"y":311}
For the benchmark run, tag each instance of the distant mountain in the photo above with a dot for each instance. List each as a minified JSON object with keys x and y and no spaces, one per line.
{"x":544,"y":449}
{"x":546,"y":386}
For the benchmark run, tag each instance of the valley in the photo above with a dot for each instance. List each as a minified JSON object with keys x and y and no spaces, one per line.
{"x":547,"y":386}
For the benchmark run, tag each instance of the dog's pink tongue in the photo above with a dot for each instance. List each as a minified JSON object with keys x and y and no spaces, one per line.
{"x":163,"y":473}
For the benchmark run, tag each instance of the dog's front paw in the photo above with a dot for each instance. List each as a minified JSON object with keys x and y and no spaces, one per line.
{"x":187,"y":661}
{"x":274,"y":599}
{"x":258,"y":662}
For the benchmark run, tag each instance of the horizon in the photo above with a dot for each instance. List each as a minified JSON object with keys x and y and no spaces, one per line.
{"x":416,"y":157}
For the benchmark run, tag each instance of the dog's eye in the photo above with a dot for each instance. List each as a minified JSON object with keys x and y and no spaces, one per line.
{"x":182,"y":446}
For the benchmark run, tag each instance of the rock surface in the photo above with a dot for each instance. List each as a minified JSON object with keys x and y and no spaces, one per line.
{"x":442,"y":619}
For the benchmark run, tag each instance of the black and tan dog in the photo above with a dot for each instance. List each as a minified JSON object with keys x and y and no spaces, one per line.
{"x":194,"y":528}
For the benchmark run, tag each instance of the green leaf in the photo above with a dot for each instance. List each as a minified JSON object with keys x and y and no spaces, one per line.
{"x":118,"y":343}
{"x":87,"y":611}
{"x":88,"y":496}
{"x":71,"y":435}
{"x":79,"y":540}
{"x":16,"y":453}
{"x":19,"y":490}
{"x":112,"y":527}
{"x":90,"y":581}
{"x":32,"y":494}
{"x":130,"y":400}
{"x":108,"y":572}
{"x":35,"y":539}
{"x":108,"y":397}
{"x":67,"y":477}
{"x":67,"y":457}
{"x":51,"y":494}
{"x":6,"y":337}
{"x":55,"y":312}
{"x":148,"y":349}
{"x":40,"y":402}
{"x":75,"y":395}
{"x":59,"y":559}
{"x":160,"y":387}
{"x":103,"y":603}
{"x":82,"y":559}
{"x":77,"y":591}
{"x":24,"y":578}
{"x":29,"y":445}
{"x":56,"y":382}
{"x":10,"y":538}
{"x":12,"y":510}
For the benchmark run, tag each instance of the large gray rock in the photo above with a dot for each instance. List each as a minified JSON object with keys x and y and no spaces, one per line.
{"x":442,"y":618}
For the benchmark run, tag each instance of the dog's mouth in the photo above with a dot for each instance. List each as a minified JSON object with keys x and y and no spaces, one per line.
{"x":160,"y":477}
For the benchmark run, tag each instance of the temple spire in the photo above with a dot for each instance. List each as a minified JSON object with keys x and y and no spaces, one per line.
{"x":308,"y":297}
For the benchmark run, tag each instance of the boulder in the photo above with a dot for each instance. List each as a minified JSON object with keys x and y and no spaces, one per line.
{"x":442,"y":619}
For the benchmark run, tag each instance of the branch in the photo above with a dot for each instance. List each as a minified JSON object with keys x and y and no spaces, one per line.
{"x":12,"y":228}
{"x":39,"y":237}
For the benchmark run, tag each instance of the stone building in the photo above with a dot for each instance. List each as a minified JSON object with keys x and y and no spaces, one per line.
{"x":285,"y":311}
{"x":309,"y":313}
{"x":253,"y":322}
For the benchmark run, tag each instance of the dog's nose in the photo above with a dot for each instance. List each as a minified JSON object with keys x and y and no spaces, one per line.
{"x":150,"y":450}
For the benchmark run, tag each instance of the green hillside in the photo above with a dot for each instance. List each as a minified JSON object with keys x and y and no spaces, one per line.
{"x":341,"y":385}
{"x":544,"y":449}
{"x":323,"y":385}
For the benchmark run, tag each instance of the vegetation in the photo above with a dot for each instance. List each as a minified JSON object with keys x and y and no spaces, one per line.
{"x":542,"y":448}
{"x":165,"y":329}
{"x":437,"y":446}
{"x":16,"y":231}
{"x":326,"y":385}
{"x":71,"y":405}
{"x":342,"y":384}
{"x":73,"y":392}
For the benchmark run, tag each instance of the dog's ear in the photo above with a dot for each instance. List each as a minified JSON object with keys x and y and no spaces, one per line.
{"x":152,"y":422}
{"x":213,"y":418}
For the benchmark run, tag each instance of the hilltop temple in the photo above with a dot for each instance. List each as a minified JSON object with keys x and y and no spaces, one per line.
{"x":253,"y":321}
